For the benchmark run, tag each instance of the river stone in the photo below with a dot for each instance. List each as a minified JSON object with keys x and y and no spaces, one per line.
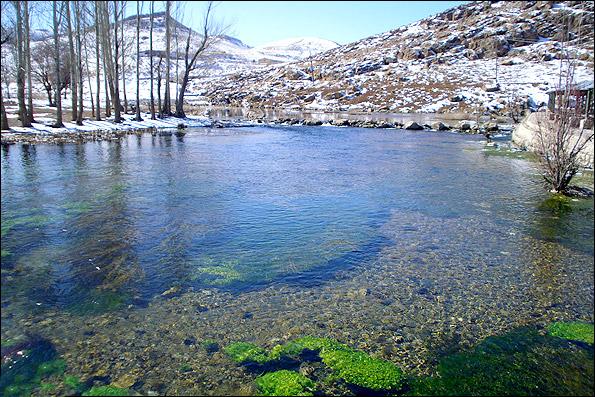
{"x":440,"y":126}
{"x":412,"y":125}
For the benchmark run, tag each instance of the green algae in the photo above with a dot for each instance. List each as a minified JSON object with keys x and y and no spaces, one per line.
{"x":284,"y":383}
{"x":295,"y":347}
{"x":47,"y":387}
{"x":106,"y":391}
{"x":510,"y":153}
{"x":522,"y":362}
{"x":98,"y":302}
{"x":353,"y":366}
{"x":77,"y":207}
{"x":360,"y":369}
{"x":574,"y":330}
{"x":219,"y":275}
{"x":5,"y":253}
{"x":244,"y":352}
{"x":73,"y":382}
{"x":31,"y":221}
{"x":53,"y":367}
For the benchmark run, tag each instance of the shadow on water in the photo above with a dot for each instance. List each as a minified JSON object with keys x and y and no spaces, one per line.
{"x":565,"y":221}
{"x":521,"y":362}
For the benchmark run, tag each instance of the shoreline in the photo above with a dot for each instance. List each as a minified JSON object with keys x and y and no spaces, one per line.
{"x":107,"y":130}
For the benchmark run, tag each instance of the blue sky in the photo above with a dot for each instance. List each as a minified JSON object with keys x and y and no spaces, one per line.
{"x":258,"y":22}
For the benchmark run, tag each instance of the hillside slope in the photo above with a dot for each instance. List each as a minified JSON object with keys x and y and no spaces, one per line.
{"x":478,"y":56}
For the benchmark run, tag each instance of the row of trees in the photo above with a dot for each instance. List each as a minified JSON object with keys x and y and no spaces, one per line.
{"x":62,"y":62}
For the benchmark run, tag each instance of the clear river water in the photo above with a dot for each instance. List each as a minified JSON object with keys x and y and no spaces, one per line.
{"x":136,"y":262}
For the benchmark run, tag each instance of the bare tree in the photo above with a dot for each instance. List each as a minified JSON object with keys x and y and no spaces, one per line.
{"x":116,"y":77}
{"x":123,"y":50}
{"x":79,"y":61}
{"x":159,"y":73}
{"x":152,"y":105}
{"x":87,"y":13}
{"x":43,"y":69}
{"x":138,"y":11}
{"x":57,"y":19}
{"x":73,"y":69}
{"x":166,"y":100}
{"x":98,"y":62}
{"x":23,"y":114}
{"x":27,"y":58}
{"x":561,"y":138}
{"x":4,"y":126}
{"x":210,"y":32}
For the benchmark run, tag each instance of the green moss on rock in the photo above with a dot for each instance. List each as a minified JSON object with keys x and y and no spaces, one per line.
{"x":573,"y":330}
{"x":106,"y":391}
{"x":243,"y":352}
{"x":360,"y":369}
{"x":284,"y":383}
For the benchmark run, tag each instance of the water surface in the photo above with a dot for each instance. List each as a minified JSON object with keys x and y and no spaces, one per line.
{"x":407,"y":245}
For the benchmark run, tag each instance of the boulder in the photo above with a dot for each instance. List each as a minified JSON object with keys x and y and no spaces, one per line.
{"x":440,"y":126}
{"x":465,"y":126}
{"x":492,"y":127}
{"x":412,"y":125}
{"x":457,"y":98}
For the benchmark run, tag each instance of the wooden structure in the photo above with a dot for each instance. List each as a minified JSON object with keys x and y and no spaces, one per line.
{"x":581,"y":100}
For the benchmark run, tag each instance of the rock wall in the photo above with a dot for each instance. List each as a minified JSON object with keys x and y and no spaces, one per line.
{"x":525,"y":136}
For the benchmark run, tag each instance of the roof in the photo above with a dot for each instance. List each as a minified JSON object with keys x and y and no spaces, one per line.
{"x":580,"y":86}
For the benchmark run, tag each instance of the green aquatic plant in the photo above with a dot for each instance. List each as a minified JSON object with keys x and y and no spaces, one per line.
{"x":573,"y":330}
{"x":351,"y":365}
{"x":4,"y":253}
{"x":54,"y":367}
{"x":223,"y":274}
{"x":106,"y":391}
{"x":522,"y":362}
{"x":32,"y":221}
{"x":295,"y":347}
{"x":98,"y":302}
{"x":360,"y":369}
{"x":557,"y":204}
{"x":185,"y":368}
{"x":47,"y":387}
{"x":244,"y":352}
{"x":73,"y":382}
{"x":76,"y":207}
{"x":284,"y":383}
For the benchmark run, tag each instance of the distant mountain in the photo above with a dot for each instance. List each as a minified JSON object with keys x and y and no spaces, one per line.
{"x":295,"y":48}
{"x":226,"y":55}
{"x":478,"y":56}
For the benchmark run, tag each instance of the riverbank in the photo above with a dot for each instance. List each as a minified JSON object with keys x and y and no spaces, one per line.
{"x":107,"y":129}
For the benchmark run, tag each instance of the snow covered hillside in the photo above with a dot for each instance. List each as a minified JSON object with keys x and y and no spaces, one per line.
{"x":478,"y":56}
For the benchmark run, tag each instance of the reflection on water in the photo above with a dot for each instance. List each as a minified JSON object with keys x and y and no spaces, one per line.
{"x":402,"y":244}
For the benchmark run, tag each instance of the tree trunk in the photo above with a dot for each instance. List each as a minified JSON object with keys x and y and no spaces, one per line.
{"x":166,"y":100}
{"x":98,"y":63}
{"x":123,"y":61}
{"x":87,"y":68}
{"x":138,"y":118}
{"x":159,"y":87}
{"x":3,"y":119}
{"x":116,"y":96}
{"x":180,"y":101}
{"x":152,"y":106}
{"x":73,"y":73}
{"x":79,"y":60}
{"x":59,"y":122}
{"x":28,"y":63}
{"x":23,"y":115}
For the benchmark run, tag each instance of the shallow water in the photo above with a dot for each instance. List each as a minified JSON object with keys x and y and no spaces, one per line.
{"x":408,"y":245}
